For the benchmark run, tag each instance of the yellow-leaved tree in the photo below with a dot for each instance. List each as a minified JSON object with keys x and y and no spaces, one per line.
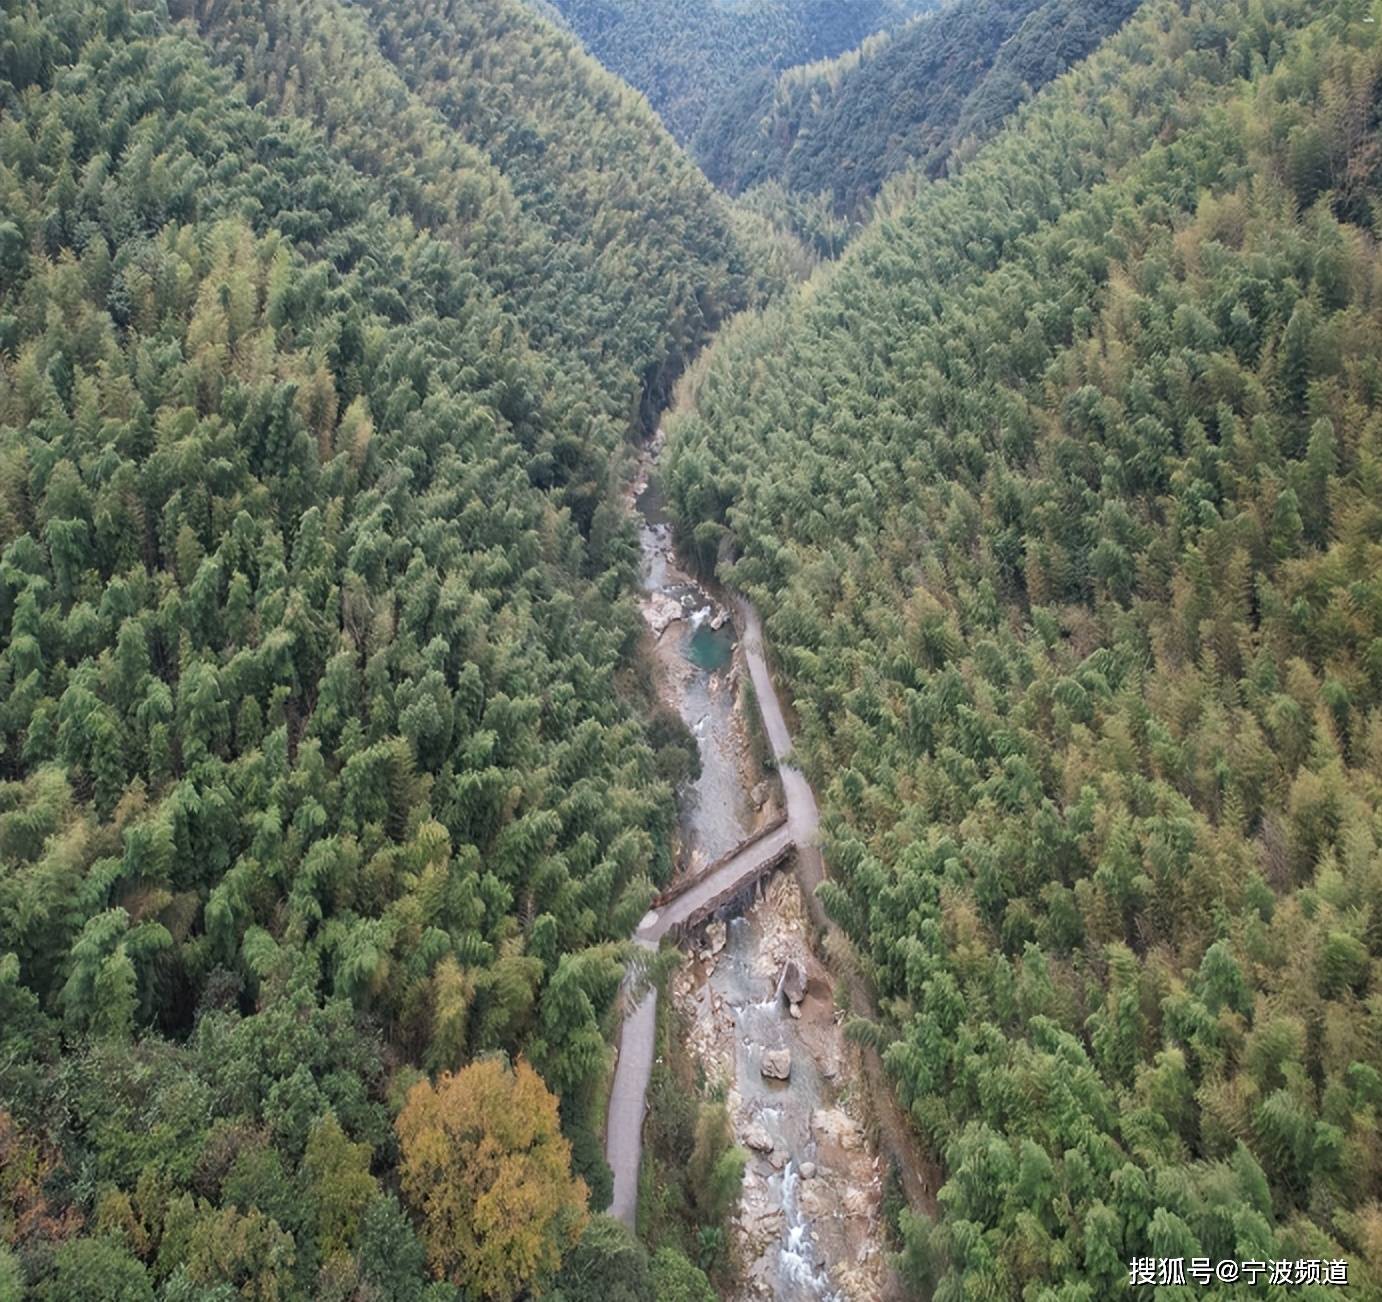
{"x":486,"y":1165}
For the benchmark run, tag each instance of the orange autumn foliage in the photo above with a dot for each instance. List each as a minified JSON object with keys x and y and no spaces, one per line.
{"x":26,"y":1163}
{"x":486,"y":1164}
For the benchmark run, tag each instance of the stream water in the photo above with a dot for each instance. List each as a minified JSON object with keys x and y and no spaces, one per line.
{"x":716,"y":813}
{"x":793,"y":1222}
{"x":796,"y":1272}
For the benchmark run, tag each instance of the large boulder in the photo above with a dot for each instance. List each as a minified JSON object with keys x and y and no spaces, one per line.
{"x":776,"y":1064}
{"x":660,"y":610}
{"x":833,"y":1124}
{"x":758,"y":1139}
{"x":793,"y":981}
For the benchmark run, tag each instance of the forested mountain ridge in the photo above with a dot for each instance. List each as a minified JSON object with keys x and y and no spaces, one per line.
{"x":322,"y":758}
{"x":943,"y":82}
{"x":1060,"y":495}
{"x":687,"y":55}
{"x":489,"y":126}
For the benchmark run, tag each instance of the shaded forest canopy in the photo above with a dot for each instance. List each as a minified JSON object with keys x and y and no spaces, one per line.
{"x":1061,"y":497}
{"x":942,"y":83}
{"x":324,"y":759}
{"x":688,"y":55}
{"x":331,"y":781}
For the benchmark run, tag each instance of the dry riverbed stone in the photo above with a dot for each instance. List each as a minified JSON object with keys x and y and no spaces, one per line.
{"x":793,"y":982}
{"x":758,"y":1139}
{"x":777,"y":1064}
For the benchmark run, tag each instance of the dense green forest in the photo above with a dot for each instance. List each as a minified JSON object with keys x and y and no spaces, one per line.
{"x":324,"y":755}
{"x":332,"y":777}
{"x":1061,"y":497}
{"x":688,"y":55}
{"x":483,"y":125}
{"x":939,"y":85}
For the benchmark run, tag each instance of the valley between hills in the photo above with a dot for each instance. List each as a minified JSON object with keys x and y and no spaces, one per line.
{"x":674,"y":651}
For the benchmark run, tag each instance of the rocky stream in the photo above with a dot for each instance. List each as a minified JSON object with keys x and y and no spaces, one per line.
{"x":759,"y":1005}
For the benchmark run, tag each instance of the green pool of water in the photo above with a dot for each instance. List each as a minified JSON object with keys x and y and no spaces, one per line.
{"x":711,"y":649}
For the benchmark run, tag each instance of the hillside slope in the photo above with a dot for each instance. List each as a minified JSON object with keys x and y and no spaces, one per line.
{"x":490,"y":127}
{"x":687,"y":55}
{"x":322,"y":760}
{"x":941,"y":83}
{"x":1060,"y":495}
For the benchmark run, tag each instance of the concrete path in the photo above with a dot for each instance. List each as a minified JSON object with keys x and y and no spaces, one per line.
{"x":624,"y":1125}
{"x":624,"y":1128}
{"x":801,"y":832}
{"x":803,"y":818}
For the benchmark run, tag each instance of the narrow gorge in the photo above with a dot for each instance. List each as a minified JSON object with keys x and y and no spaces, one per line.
{"x":754,"y":1003}
{"x":411,"y":889}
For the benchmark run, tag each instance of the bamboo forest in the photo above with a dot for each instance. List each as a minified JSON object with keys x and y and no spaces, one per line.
{"x":658,"y":652}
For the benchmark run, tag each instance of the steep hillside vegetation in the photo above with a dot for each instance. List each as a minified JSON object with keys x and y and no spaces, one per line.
{"x":940,"y":84}
{"x":488,"y":126}
{"x":687,"y":55}
{"x":1061,"y":494}
{"x":319,"y":755}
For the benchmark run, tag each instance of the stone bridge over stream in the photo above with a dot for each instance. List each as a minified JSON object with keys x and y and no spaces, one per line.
{"x":687,"y":903}
{"x":690,"y":902}
{"x":676,"y":912}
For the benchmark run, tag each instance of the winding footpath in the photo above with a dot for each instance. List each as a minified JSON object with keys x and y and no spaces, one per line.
{"x":624,"y":1126}
{"x":803,"y":817}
